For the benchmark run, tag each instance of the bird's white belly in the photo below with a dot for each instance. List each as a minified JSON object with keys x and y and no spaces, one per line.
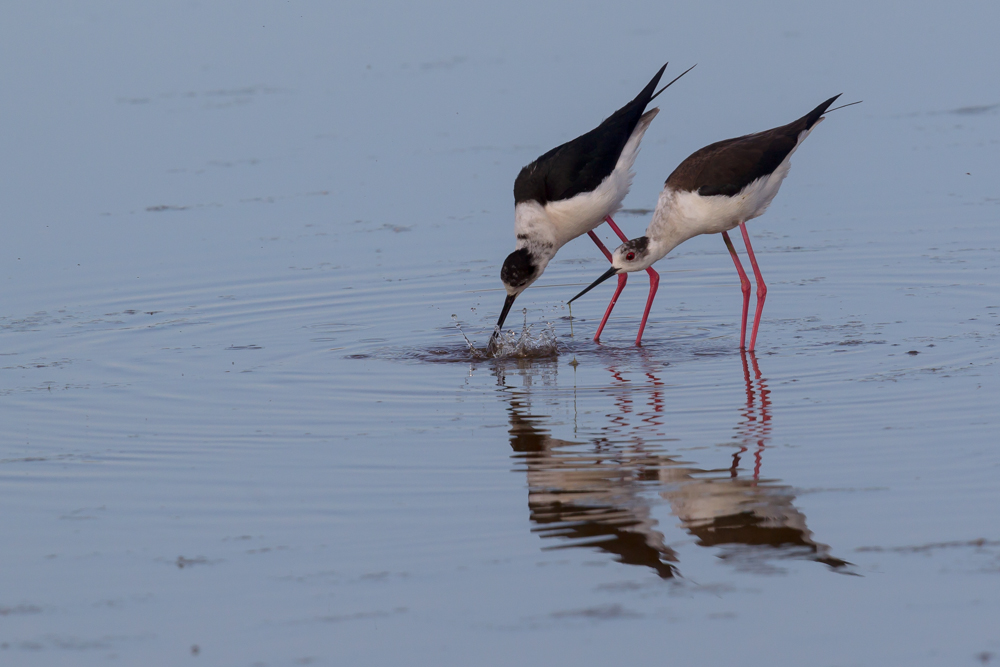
{"x":696,"y":214}
{"x":562,"y":221}
{"x":582,"y":213}
{"x":559,"y":222}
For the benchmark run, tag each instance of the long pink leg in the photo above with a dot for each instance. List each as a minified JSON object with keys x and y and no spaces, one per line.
{"x":597,"y":240}
{"x":654,"y":283}
{"x":744,"y":286}
{"x":622,"y":278}
{"x":611,"y":223}
{"x":761,"y":288}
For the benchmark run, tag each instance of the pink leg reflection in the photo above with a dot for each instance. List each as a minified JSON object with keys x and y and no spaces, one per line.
{"x":756,"y":424}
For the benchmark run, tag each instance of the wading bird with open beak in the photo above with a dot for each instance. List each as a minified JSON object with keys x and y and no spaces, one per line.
{"x":572,"y":189}
{"x":716,"y":189}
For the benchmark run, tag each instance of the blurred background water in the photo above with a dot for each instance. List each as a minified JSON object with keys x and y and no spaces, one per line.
{"x":239,"y":424}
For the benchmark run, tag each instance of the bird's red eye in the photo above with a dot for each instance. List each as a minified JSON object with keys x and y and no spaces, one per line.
{"x":630,"y":256}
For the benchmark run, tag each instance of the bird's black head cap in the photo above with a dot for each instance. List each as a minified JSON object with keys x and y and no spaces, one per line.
{"x":519,"y":269}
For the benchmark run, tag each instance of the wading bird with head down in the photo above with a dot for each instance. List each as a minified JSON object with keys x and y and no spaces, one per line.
{"x":573,"y":188}
{"x":716,"y":189}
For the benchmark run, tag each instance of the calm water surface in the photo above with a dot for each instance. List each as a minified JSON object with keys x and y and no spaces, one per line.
{"x":240,"y":426}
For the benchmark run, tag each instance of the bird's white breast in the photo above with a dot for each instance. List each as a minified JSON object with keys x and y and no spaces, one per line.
{"x":719,"y":213}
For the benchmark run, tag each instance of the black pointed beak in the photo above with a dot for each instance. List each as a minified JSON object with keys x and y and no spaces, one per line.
{"x":503,"y":316}
{"x":610,"y":272}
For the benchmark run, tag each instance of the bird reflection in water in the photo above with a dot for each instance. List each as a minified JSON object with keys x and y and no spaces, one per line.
{"x":597,"y":496}
{"x":601,"y":493}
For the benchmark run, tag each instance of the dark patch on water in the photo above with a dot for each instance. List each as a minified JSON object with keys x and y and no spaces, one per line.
{"x":20,"y":609}
{"x":41,"y":363}
{"x":604,"y":612}
{"x":362,"y":615}
{"x":166,"y":207}
{"x":398,"y":229}
{"x":975,"y":110}
{"x":183,"y":562}
{"x":980,"y":543}
{"x":446,"y":63}
{"x":851,"y":343}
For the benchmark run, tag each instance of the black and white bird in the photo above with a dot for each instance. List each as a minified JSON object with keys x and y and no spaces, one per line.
{"x":716,"y":189}
{"x":572,"y":189}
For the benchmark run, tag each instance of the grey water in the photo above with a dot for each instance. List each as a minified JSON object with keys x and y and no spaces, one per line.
{"x":239,"y":424}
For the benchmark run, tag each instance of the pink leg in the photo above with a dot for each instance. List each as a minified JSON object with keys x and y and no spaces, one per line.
{"x":654,"y":282}
{"x":761,"y":288}
{"x":597,"y":240}
{"x":611,"y":223}
{"x":744,"y":286}
{"x":622,"y":277}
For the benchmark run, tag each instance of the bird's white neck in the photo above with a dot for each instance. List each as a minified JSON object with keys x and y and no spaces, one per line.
{"x":536,"y":236}
{"x":534,"y":229}
{"x":668,"y":228}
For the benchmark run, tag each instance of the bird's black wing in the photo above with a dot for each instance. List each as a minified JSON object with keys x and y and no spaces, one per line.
{"x":726,"y":167}
{"x":582,"y":164}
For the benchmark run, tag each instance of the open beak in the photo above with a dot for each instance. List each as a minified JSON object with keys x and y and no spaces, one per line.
{"x":503,"y":316}
{"x":610,"y":272}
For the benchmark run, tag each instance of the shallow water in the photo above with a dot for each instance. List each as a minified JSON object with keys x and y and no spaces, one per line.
{"x":240,"y":424}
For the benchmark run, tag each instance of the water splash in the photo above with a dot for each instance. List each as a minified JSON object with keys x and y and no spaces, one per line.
{"x":472,"y":347}
{"x":512,"y":344}
{"x":526,"y":344}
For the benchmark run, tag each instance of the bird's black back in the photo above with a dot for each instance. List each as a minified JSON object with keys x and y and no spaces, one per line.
{"x":726,"y":167}
{"x":582,"y":164}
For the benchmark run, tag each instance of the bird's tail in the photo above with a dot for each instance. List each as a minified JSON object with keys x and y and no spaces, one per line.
{"x":672,"y":82}
{"x":631,"y":150}
{"x":646,"y":94}
{"x":813,"y":116}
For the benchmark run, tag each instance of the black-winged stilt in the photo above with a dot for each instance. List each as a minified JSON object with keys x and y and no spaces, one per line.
{"x":718,"y":188}
{"x":572,"y":189}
